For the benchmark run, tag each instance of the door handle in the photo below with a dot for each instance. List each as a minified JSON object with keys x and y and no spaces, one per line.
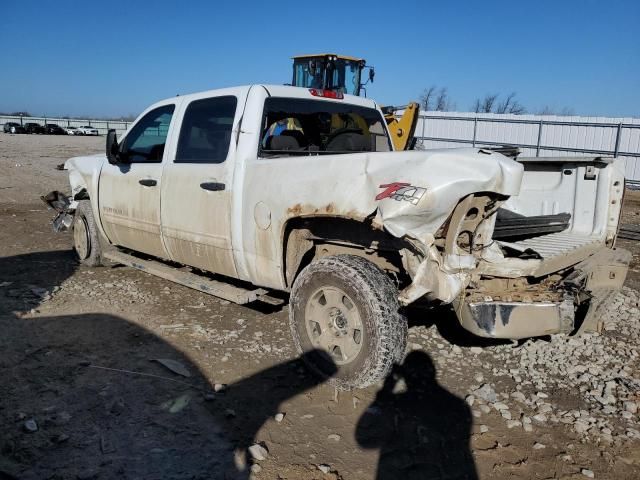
{"x":148,"y":182}
{"x":212,"y":186}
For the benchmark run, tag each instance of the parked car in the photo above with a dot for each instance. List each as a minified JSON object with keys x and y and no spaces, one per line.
{"x":301,"y":190}
{"x":72,"y":131}
{"x":33,"y":127}
{"x":54,"y":129}
{"x":88,"y":130}
{"x":13,"y":127}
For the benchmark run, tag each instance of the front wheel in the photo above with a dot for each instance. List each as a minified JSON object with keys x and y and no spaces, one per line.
{"x":86,"y":239}
{"x":346,"y":306}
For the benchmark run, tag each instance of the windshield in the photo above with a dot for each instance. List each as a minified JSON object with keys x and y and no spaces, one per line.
{"x":313,"y":127}
{"x":343,"y":76}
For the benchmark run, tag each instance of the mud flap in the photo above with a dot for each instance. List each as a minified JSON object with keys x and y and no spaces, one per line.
{"x":64,"y":205}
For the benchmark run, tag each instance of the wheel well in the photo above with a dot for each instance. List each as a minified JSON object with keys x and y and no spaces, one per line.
{"x":306,"y":239}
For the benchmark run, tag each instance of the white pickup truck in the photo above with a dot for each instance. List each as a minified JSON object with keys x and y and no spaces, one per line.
{"x":243,"y":190}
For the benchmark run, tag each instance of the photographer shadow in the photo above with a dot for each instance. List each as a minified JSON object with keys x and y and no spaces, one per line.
{"x":421,"y":429}
{"x":83,"y":395}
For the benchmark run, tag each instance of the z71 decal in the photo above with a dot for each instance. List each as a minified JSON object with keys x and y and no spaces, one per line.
{"x":401,"y":192}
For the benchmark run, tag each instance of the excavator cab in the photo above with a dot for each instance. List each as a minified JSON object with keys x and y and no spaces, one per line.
{"x":328,"y":71}
{"x":342,"y":74}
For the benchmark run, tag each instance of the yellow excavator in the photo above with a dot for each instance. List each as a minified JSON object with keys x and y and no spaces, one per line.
{"x":329,"y":71}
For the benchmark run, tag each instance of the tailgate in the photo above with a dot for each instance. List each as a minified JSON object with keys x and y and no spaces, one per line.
{"x":586,"y":189}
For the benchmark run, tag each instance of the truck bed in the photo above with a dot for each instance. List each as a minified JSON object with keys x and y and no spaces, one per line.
{"x":559,"y":250}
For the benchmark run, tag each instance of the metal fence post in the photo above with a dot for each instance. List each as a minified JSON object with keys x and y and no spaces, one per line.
{"x":617,"y":148}
{"x":475,"y":130}
{"x":539,"y":137}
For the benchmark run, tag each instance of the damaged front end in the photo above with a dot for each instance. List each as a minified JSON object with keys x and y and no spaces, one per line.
{"x":64,"y":205}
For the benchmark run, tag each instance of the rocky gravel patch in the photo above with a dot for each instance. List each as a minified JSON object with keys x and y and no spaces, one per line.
{"x":589,"y":383}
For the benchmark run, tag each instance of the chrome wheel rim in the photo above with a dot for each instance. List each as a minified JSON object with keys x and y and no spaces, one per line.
{"x":81,"y":238}
{"x":334,"y":324}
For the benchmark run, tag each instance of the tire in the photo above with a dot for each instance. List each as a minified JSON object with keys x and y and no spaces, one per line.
{"x":86,"y":239}
{"x":360,"y":312}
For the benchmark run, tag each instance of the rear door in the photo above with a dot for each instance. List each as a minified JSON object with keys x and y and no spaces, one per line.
{"x":197,"y":186}
{"x":129,"y":192}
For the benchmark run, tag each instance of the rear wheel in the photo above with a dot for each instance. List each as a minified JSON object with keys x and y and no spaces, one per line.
{"x":86,"y":239}
{"x":346,"y":306}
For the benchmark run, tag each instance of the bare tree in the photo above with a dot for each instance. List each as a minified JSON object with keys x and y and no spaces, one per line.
{"x":436,"y":99}
{"x":489,"y":104}
{"x":428,"y":97}
{"x":510,"y":105}
{"x":485,"y":105}
{"x":442,"y":100}
{"x":546,"y":110}
{"x":567,"y":112}
{"x":564,"y":112}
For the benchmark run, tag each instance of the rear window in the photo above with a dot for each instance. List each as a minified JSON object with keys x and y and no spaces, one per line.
{"x":312,"y":127}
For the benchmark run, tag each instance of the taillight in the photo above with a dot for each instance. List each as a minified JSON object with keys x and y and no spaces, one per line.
{"x":326,"y":93}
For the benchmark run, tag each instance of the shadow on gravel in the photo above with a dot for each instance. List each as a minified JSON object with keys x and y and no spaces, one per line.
{"x":421,"y":429}
{"x":444,"y":319}
{"x":80,"y":396}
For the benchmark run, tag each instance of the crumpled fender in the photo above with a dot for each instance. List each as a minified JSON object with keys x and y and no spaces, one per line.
{"x":438,"y":180}
{"x":84,"y":173}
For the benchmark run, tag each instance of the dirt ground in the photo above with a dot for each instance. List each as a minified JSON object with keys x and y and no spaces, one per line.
{"x":84,"y":396}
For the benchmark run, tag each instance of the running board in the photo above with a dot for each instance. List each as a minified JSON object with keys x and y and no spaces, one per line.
{"x":201,"y":283}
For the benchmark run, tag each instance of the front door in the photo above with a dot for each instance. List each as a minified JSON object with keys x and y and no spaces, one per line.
{"x":129,"y":193}
{"x":196,"y":187}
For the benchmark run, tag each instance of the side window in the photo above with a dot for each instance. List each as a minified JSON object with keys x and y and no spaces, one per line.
{"x":206,"y":130}
{"x":145,"y":142}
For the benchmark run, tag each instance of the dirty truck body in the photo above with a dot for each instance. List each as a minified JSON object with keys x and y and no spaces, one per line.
{"x":287,"y":189}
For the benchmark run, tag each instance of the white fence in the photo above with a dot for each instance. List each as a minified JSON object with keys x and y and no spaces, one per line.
{"x":536,"y":135}
{"x":101,"y":125}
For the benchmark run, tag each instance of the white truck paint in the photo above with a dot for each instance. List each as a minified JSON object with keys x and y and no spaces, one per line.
{"x":426,"y":217}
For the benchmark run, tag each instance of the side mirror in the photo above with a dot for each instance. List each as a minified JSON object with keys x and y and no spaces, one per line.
{"x":112,"y":147}
{"x":372,"y":73}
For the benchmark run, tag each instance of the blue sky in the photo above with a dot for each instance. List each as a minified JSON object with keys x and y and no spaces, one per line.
{"x":115,"y":57}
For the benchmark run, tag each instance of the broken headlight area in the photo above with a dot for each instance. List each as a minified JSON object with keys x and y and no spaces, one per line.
{"x":64,"y":205}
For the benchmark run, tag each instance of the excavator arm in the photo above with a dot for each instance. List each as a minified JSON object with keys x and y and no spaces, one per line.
{"x":402,"y":129}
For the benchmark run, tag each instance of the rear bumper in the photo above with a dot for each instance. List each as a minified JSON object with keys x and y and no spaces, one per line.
{"x":590,"y":284}
{"x":517,"y":320}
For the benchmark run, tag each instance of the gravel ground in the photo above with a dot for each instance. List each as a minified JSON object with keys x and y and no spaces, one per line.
{"x":110,"y":373}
